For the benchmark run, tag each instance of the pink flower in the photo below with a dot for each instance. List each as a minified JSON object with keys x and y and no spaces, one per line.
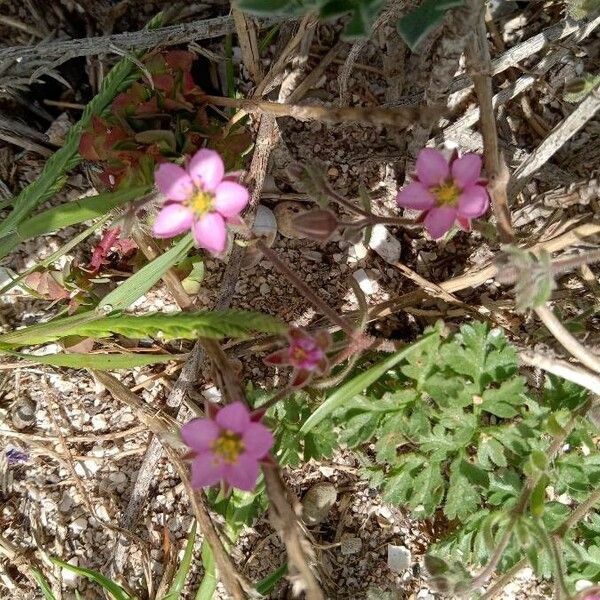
{"x":306,"y":353}
{"x":227,"y":446}
{"x":447,"y":191}
{"x":201,"y":198}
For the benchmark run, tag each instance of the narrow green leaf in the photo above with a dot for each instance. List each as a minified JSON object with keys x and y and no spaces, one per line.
{"x":538,"y":495}
{"x":416,"y":25}
{"x":139,"y":283}
{"x":266,"y":585}
{"x":176,"y":586}
{"x":53,"y":177}
{"x":209,"y":582}
{"x":357,"y":384}
{"x":67,"y":214}
{"x":102,"y":362}
{"x":44,"y":585}
{"x":264,"y":7}
{"x":211,"y":324}
{"x":104,"y":582}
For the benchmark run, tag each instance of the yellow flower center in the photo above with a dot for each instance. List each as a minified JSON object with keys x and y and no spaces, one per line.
{"x":446,"y":194}
{"x":228,"y":446}
{"x":201,"y":202}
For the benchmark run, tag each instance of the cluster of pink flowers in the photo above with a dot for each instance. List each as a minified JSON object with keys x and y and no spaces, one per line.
{"x":201,"y":198}
{"x":228,"y":445}
{"x":447,"y":191}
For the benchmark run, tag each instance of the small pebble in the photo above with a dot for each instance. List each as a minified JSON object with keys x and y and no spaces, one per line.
{"x":78,"y":525}
{"x":398,"y":558}
{"x":350,"y":544}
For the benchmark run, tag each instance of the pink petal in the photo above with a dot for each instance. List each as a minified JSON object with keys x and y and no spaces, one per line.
{"x":234,"y":417}
{"x":473,"y":202}
{"x":415,"y":195}
{"x":258,"y":440}
{"x":279,"y":357}
{"x":206,"y":470}
{"x":173,"y":219}
{"x":440,"y":220}
{"x":466,"y":170}
{"x":322,"y":365}
{"x":323,"y":339}
{"x":464,"y":223}
{"x":230,"y":198}
{"x":206,"y":169}
{"x":432,"y":167}
{"x":243,"y":473}
{"x":172,"y":181}
{"x":210,"y":232}
{"x":199,"y":434}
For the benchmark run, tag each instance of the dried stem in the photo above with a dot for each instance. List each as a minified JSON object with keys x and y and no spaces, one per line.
{"x":480,"y":63}
{"x":564,"y":337}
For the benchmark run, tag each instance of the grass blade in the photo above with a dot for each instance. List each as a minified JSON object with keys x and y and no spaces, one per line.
{"x":208,"y":584}
{"x":100,"y":362}
{"x":357,"y":384}
{"x":165,"y":326}
{"x":67,"y":214}
{"x":176,"y":587}
{"x":266,"y":585}
{"x":139,"y":283}
{"x":104,"y":582}
{"x":44,"y":585}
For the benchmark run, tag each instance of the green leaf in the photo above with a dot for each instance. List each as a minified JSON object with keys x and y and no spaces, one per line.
{"x":139,"y":283}
{"x":264,"y":7}
{"x":359,"y":429}
{"x":358,"y":383}
{"x":67,"y":214}
{"x":398,"y":486}
{"x":265,"y":586}
{"x":538,"y":495}
{"x":577,"y":89}
{"x":416,"y":25}
{"x":428,"y":490}
{"x":462,"y":499}
{"x":490,"y":452}
{"x":503,"y":400}
{"x":43,"y":583}
{"x":178,"y":582}
{"x":164,"y":326}
{"x":320,"y":443}
{"x":208,"y":585}
{"x":104,"y":582}
{"x":102,"y":362}
{"x":53,"y":175}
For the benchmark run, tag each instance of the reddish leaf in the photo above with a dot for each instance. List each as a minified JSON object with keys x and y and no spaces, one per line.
{"x":46,"y":284}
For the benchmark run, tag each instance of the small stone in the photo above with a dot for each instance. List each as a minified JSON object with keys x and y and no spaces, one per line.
{"x":102,"y":513}
{"x":350,"y":544}
{"x":117,"y":478}
{"x":357,"y":251}
{"x":78,"y":525}
{"x":66,"y":503}
{"x":69,"y":578}
{"x":265,"y":289}
{"x":583,"y":584}
{"x":425,"y":594}
{"x":99,"y":422}
{"x":385,"y":244}
{"x":398,"y":558}
{"x":333,"y":172}
{"x":284,"y":214}
{"x":366,"y":284}
{"x":87,"y":468}
{"x":317,"y":502}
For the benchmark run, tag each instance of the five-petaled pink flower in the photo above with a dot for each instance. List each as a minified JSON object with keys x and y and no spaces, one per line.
{"x":306,"y":353}
{"x":201,"y":198}
{"x":227,"y":446}
{"x":447,"y":191}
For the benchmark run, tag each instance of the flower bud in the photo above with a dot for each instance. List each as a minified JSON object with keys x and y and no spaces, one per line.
{"x":318,"y":224}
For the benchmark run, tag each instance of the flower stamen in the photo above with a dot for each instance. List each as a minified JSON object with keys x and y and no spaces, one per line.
{"x":201,"y":202}
{"x":228,"y":446}
{"x":447,"y":193}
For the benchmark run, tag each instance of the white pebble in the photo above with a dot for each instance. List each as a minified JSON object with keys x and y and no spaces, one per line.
{"x":99,"y":422}
{"x":398,"y":558}
{"x":69,"y":578}
{"x":385,"y":244}
{"x":366,"y":284}
{"x":78,"y":525}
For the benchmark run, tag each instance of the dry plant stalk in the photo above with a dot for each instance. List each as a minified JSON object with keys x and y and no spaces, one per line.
{"x":246,"y":32}
{"x":480,"y":63}
{"x":401,"y":117}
